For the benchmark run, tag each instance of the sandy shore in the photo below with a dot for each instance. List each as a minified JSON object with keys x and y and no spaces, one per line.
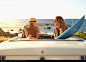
{"x":4,"y":39}
{"x":6,"y":35}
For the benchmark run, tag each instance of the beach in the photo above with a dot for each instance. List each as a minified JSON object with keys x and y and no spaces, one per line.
{"x":6,"y":35}
{"x":4,"y":39}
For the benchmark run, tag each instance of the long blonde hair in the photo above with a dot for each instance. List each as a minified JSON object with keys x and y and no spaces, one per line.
{"x":62,"y":23}
{"x":32,"y":30}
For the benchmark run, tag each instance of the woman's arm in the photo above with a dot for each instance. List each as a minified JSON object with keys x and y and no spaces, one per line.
{"x":37,"y":33}
{"x":26,"y":32}
{"x":54,"y":32}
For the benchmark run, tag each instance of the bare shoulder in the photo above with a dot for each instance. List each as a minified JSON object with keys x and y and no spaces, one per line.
{"x":26,"y":27}
{"x":37,"y":28}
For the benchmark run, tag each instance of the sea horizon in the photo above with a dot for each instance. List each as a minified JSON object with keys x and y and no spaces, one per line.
{"x":16,"y":24}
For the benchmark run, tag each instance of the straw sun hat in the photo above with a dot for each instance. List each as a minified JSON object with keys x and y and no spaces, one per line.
{"x":32,"y":20}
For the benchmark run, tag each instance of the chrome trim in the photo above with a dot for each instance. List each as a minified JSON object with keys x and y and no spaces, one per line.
{"x":42,"y":57}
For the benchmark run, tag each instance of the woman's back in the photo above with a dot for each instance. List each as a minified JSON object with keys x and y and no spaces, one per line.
{"x":33,"y":31}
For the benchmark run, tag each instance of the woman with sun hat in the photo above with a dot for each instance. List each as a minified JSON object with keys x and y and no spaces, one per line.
{"x":32,"y":31}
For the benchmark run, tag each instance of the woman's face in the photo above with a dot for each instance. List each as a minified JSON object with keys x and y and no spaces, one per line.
{"x":56,"y":23}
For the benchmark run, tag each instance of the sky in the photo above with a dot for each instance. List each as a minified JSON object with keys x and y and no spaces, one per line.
{"x":42,"y":9}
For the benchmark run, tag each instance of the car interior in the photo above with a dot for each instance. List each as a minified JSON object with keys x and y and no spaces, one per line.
{"x":42,"y":36}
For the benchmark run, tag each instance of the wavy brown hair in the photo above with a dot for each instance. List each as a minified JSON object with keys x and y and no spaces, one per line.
{"x":62,"y":23}
{"x":32,"y":30}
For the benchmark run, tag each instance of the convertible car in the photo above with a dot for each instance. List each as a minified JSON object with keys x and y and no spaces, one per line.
{"x":44,"y":48}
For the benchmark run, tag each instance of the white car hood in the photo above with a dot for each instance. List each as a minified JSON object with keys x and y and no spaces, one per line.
{"x":49,"y":48}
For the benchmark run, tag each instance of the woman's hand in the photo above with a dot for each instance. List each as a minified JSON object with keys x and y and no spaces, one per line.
{"x":55,"y":33}
{"x":55,"y":30}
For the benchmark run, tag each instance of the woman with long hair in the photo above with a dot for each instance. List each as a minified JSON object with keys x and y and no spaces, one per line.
{"x":32,"y":31}
{"x":61,"y":26}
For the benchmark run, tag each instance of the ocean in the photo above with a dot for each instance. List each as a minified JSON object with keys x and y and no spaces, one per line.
{"x":16,"y":24}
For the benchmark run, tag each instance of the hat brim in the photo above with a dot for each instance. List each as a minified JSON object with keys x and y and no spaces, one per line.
{"x":32,"y":21}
